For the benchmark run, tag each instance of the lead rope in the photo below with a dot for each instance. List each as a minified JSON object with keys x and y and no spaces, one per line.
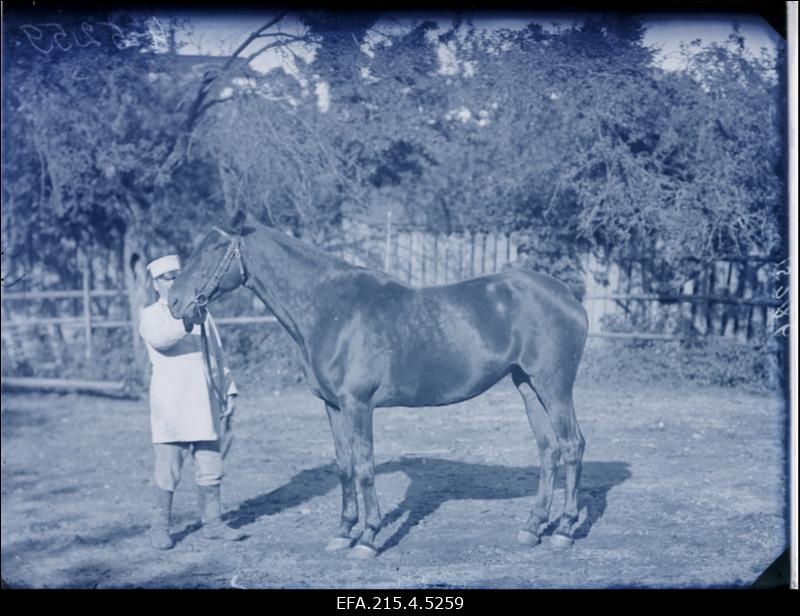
{"x":225,"y":437}
{"x":207,"y":359}
{"x":233,"y":252}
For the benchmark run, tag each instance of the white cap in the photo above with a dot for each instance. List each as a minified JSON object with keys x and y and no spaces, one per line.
{"x":160,"y":266}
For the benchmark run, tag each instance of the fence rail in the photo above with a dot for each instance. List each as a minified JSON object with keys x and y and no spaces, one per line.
{"x":34,"y":295}
{"x":93,"y":323}
{"x":730,"y":297}
{"x":118,"y":388}
{"x":78,"y":322}
{"x":66,"y":322}
{"x":703,"y":299}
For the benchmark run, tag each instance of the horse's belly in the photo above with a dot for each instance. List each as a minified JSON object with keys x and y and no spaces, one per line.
{"x":429,"y":383}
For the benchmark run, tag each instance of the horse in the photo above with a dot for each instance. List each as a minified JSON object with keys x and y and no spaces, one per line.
{"x":367,"y":340}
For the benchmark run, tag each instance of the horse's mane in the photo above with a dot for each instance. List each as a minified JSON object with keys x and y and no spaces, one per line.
{"x":319,"y":256}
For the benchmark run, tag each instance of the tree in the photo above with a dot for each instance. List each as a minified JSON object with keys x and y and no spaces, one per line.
{"x":571,"y":134}
{"x":98,"y":127}
{"x":93,"y":120}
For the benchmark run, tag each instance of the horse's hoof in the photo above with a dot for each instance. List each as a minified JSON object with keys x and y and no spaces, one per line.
{"x":339,"y":543}
{"x":363,"y":552}
{"x":525,"y":537}
{"x":561,"y":542}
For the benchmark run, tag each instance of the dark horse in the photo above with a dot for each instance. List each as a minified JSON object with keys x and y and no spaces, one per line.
{"x":366,"y":340}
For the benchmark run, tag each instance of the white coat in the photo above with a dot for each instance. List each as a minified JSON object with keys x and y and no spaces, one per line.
{"x":183,"y":406}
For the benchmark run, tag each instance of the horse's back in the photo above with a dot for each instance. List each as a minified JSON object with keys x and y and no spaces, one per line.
{"x":489,"y":302}
{"x":521,"y":294}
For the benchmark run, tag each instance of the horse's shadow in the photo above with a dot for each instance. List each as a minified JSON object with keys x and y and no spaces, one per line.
{"x":435,"y":481}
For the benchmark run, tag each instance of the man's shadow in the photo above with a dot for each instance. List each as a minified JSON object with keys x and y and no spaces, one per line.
{"x":435,"y":481}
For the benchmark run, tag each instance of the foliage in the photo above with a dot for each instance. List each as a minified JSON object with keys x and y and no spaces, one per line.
{"x":93,"y":123}
{"x":705,"y":361}
{"x":571,"y":132}
{"x":274,"y":161}
{"x":572,"y":136}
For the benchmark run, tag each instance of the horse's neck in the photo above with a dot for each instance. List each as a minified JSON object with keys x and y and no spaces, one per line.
{"x":284,"y":273}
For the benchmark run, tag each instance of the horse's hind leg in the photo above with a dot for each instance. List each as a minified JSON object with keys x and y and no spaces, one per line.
{"x":549,"y":454}
{"x":358,"y":418}
{"x":557,"y":400}
{"x":344,"y":460}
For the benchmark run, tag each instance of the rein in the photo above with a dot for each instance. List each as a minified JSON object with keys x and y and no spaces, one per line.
{"x":234,"y":251}
{"x":207,"y":358}
{"x":225,"y":437}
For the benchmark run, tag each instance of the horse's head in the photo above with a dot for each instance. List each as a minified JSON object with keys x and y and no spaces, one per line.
{"x":215,"y":267}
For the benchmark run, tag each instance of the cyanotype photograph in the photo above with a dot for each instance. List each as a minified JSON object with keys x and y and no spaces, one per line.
{"x":410,"y":300}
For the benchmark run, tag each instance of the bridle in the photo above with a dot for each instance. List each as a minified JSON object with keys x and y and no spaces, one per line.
{"x":234,"y":251}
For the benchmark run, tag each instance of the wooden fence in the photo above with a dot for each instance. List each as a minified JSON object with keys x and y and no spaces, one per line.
{"x":732,"y":298}
{"x":86,"y":322}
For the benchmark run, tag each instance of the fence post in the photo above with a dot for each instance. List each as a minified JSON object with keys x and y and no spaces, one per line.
{"x":693,"y":309}
{"x":471,"y":254}
{"x":87,"y":307}
{"x":627,"y":306}
{"x":728,"y":308}
{"x":447,"y":239}
{"x":494,"y":265}
{"x":483,"y":253}
{"x":769,"y":291}
{"x":388,"y":241}
{"x":8,"y":338}
{"x":424,"y":238}
{"x":436,"y":258}
{"x":711,"y":285}
{"x":461,"y":241}
{"x":410,"y":273}
{"x":741,"y":289}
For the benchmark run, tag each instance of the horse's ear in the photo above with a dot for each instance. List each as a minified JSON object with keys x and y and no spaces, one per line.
{"x":238,"y":223}
{"x":213,"y":217}
{"x":238,"y":220}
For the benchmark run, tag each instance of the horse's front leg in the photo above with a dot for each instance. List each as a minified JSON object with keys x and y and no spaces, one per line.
{"x":358,"y":416}
{"x":344,"y":459}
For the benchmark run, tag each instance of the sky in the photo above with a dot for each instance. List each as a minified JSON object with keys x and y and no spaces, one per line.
{"x":220,"y":34}
{"x":668,"y":32}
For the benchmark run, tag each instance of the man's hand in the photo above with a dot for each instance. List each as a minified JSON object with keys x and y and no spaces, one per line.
{"x":230,"y":405}
{"x":227,"y":424}
{"x":227,"y":415}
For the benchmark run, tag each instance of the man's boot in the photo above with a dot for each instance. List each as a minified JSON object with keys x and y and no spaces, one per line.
{"x":159,"y":528}
{"x":210,"y":512}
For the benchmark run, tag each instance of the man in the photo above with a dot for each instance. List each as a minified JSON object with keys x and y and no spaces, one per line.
{"x":187,"y":409}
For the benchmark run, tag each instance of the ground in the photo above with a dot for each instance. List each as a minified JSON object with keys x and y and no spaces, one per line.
{"x":681,"y":487}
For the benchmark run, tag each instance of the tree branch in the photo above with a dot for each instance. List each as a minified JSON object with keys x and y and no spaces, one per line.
{"x":257,"y":34}
{"x":199,"y":106}
{"x":8,"y":285}
{"x":213,"y":102}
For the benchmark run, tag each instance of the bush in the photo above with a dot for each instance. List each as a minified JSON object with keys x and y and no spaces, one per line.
{"x":262,"y":356}
{"x":706,"y":361}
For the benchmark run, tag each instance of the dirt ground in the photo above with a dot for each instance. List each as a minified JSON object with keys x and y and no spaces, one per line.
{"x":681,"y":488}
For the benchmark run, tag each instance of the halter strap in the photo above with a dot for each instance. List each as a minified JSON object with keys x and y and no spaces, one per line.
{"x":234,"y":251}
